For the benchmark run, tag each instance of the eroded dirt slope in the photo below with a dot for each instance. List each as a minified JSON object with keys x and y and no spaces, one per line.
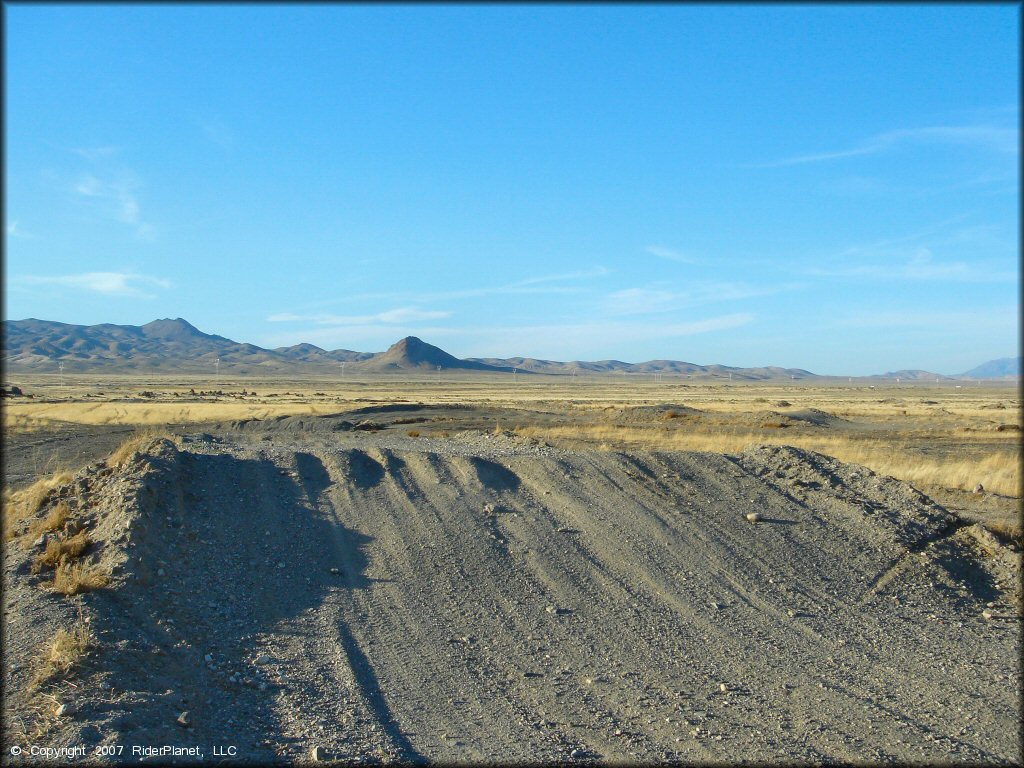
{"x":488,"y":599}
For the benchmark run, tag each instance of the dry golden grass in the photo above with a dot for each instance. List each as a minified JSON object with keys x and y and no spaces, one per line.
{"x":19,"y":422}
{"x":999,"y":471}
{"x":69,"y":576}
{"x":60,"y":551}
{"x":1008,"y":530}
{"x":30,"y":417}
{"x":75,"y":578}
{"x":53,"y":521}
{"x":137,"y":443}
{"x":19,"y":505}
{"x":63,"y":653}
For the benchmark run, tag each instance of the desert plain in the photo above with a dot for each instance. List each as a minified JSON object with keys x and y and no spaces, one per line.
{"x":495,"y":569}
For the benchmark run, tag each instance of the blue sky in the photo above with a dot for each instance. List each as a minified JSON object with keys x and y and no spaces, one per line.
{"x":834,"y":188}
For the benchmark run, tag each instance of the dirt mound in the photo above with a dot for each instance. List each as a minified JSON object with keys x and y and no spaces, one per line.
{"x":293,"y":424}
{"x":394,"y":603}
{"x":800,"y":418}
{"x":815,"y":417}
{"x":648,"y":414}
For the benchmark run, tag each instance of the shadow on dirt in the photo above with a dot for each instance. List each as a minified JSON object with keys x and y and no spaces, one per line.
{"x":360,"y":468}
{"x":223,"y":553}
{"x":969,"y":571}
{"x":494,"y":476}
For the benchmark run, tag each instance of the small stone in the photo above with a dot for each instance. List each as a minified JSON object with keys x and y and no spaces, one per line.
{"x":791,"y":613}
{"x":159,"y":571}
{"x":280,"y":565}
{"x":575,"y":753}
{"x":489,"y":509}
{"x":40,"y":542}
{"x":184,"y":720}
{"x":66,"y":709}
{"x":208,"y":658}
{"x":979,"y":488}
{"x":262,"y":659}
{"x":987,"y":614}
{"x":551,"y":609}
{"x":723,"y":687}
{"x":318,"y":754}
{"x":754,"y":517}
{"x":335,"y":571}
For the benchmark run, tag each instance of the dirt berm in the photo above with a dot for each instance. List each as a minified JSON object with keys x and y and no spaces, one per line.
{"x":486,"y":599}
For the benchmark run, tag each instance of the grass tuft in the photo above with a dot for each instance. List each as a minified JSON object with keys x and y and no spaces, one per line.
{"x":20,"y":505}
{"x":53,"y":521}
{"x":61,"y":551}
{"x":999,"y":470}
{"x":63,"y":653}
{"x":137,"y":443}
{"x":75,"y":578}
{"x":1008,"y":531}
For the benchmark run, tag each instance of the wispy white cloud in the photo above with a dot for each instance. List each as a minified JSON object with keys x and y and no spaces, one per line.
{"x":126,"y":284}
{"x":117,"y":197}
{"x":94,"y":153}
{"x":670,"y":254}
{"x":589,"y":339}
{"x":994,"y":138}
{"x":913,"y":256}
{"x":560,"y":278}
{"x":980,"y":319}
{"x":217,"y":132}
{"x":918,"y":265}
{"x":13,"y":230}
{"x":562,"y":283}
{"x":399,"y":315}
{"x":553,"y":341}
{"x":651,"y":300}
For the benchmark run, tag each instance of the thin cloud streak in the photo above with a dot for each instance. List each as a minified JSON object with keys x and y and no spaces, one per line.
{"x":916,"y":265}
{"x":643,"y":301}
{"x":566,"y":341}
{"x":14,"y":231}
{"x":399,"y":315}
{"x":975,"y":320}
{"x":94,"y":153}
{"x":544,"y":284}
{"x":117,"y":198}
{"x":668,"y":253}
{"x":993,"y":138}
{"x":127,"y":284}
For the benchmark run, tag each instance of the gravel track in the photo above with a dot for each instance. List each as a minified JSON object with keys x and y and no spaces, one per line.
{"x":490,"y":599}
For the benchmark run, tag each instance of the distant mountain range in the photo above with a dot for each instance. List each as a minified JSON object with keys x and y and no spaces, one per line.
{"x":1003,"y":368}
{"x":176,"y":345}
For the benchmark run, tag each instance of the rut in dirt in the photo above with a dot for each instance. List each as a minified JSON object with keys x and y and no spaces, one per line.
{"x":391,"y":603}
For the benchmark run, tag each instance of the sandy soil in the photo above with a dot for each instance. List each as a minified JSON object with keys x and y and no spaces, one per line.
{"x":487,"y":598}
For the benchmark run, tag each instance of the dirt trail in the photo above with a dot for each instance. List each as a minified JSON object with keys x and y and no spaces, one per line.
{"x":492,"y":600}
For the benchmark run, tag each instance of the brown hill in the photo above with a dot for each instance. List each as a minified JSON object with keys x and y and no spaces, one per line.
{"x":412,"y":353}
